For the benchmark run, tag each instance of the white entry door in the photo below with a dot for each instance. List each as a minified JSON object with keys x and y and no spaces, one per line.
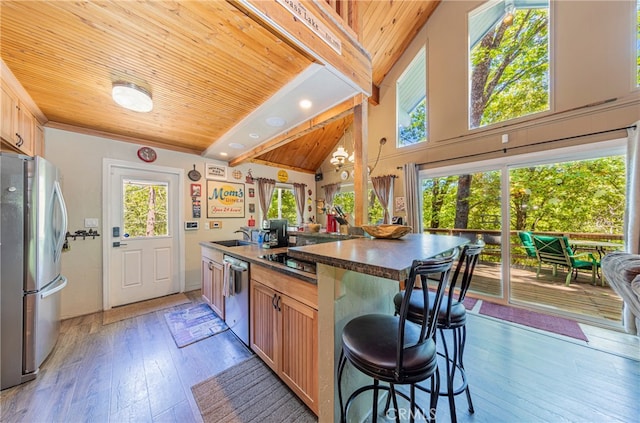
{"x":142,"y":234}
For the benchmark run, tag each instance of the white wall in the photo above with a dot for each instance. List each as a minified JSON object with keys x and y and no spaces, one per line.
{"x":79,"y":158}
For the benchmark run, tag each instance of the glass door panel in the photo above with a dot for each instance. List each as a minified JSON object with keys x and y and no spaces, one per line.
{"x":469,"y":205}
{"x":574,"y":208}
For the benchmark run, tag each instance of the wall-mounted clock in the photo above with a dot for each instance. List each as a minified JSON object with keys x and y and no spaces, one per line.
{"x":147,"y":154}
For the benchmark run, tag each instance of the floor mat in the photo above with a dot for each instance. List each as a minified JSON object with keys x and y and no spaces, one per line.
{"x":193,"y":324}
{"x":143,"y":307}
{"x":554,"y":324}
{"x":246,"y":393}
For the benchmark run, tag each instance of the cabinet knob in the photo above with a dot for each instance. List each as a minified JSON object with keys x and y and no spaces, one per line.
{"x":210,"y":266}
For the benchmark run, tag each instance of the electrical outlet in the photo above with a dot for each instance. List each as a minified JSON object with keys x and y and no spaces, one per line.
{"x":91,"y":222}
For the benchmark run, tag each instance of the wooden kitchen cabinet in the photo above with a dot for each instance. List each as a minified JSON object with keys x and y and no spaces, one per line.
{"x":284,"y":330}
{"x":18,"y":123}
{"x":212,"y":280}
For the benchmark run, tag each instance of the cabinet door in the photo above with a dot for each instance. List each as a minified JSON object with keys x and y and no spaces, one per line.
{"x":299,"y":344}
{"x":207,"y":279}
{"x":38,"y":141}
{"x":263,"y":324}
{"x":27,"y":131}
{"x":10,"y":121}
{"x":217,"y":291}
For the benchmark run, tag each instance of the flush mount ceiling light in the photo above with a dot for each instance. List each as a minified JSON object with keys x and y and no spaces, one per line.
{"x":237,"y":145}
{"x":132,"y":97}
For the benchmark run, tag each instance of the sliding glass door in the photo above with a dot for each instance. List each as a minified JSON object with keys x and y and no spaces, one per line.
{"x":574,"y":195}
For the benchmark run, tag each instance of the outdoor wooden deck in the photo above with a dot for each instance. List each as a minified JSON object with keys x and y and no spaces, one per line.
{"x":580,"y":297}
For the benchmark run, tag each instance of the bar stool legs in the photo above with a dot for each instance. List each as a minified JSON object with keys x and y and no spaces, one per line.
{"x":455,"y":364}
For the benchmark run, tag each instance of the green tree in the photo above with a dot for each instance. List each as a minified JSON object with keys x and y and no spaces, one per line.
{"x":346,"y":201}
{"x":417,"y":131}
{"x":283,"y":206}
{"x":510,"y":68}
{"x":578,"y":196}
{"x":509,"y":79}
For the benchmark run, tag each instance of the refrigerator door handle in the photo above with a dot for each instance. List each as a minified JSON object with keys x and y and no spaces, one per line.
{"x":63,"y":211}
{"x":55,"y":287}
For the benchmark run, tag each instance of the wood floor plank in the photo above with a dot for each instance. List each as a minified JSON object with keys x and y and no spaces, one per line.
{"x":133,"y":371}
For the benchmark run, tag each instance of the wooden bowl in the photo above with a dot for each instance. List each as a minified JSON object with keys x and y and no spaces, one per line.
{"x":387,"y":231}
{"x":313,"y":227}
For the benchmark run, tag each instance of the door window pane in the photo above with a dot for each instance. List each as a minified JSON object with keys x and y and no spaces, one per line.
{"x":145,"y":209}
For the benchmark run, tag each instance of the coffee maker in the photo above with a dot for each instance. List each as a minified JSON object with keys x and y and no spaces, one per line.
{"x":275,"y":233}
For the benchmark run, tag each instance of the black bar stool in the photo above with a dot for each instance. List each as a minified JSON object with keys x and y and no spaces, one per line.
{"x":452,"y":315}
{"x":393,"y":350}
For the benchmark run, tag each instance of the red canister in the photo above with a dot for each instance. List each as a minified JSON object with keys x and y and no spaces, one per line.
{"x":332,"y":225}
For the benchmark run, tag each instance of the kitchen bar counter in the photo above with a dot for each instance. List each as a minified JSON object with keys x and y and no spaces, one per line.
{"x":385,"y":258}
{"x":354,"y":277}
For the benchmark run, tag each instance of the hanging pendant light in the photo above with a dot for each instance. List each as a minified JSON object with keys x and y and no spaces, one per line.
{"x":339,"y":157}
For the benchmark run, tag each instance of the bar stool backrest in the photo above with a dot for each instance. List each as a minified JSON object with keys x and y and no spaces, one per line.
{"x":426,"y":270}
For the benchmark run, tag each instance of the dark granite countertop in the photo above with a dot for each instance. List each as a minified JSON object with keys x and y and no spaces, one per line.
{"x":251,"y":254}
{"x":386,"y":258}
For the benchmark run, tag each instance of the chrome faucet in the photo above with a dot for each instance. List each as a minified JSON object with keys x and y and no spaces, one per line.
{"x":246,"y":234}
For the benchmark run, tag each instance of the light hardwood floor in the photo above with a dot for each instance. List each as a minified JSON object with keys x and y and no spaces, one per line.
{"x":133,"y":371}
{"x":128,"y":371}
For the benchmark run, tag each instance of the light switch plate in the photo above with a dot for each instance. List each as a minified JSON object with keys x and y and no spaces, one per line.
{"x":91,"y":222}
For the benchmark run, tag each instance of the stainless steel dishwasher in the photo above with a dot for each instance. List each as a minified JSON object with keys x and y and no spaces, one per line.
{"x":236,"y":296}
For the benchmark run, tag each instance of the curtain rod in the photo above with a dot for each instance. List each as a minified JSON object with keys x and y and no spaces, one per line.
{"x":504,"y":150}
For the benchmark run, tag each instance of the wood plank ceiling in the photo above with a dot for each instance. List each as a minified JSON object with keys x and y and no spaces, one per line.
{"x":207,"y":64}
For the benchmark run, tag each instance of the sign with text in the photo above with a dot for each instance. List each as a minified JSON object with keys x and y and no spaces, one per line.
{"x":297,"y":9}
{"x":225,"y":199}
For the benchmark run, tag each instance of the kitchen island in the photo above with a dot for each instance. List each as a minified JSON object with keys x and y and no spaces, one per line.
{"x":353,"y":277}
{"x":356,"y":277}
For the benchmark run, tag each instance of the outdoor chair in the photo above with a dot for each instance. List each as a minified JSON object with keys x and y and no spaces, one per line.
{"x":527,"y":242}
{"x":555,"y":250}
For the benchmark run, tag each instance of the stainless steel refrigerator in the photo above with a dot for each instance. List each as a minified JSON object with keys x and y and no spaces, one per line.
{"x":33,"y":226}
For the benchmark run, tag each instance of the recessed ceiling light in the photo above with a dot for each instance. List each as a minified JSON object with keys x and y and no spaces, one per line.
{"x":223,"y":154}
{"x":305,"y":104}
{"x":237,"y":145}
{"x":275,"y":121}
{"x":254,"y":135}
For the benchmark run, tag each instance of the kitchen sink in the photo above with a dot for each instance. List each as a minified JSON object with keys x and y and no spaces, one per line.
{"x":232,"y":242}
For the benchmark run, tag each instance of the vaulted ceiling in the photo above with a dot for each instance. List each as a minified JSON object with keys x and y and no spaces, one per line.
{"x":215,"y":73}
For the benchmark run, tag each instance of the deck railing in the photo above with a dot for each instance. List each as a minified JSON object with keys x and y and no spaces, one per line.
{"x":346,"y":11}
{"x":493,"y":240}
